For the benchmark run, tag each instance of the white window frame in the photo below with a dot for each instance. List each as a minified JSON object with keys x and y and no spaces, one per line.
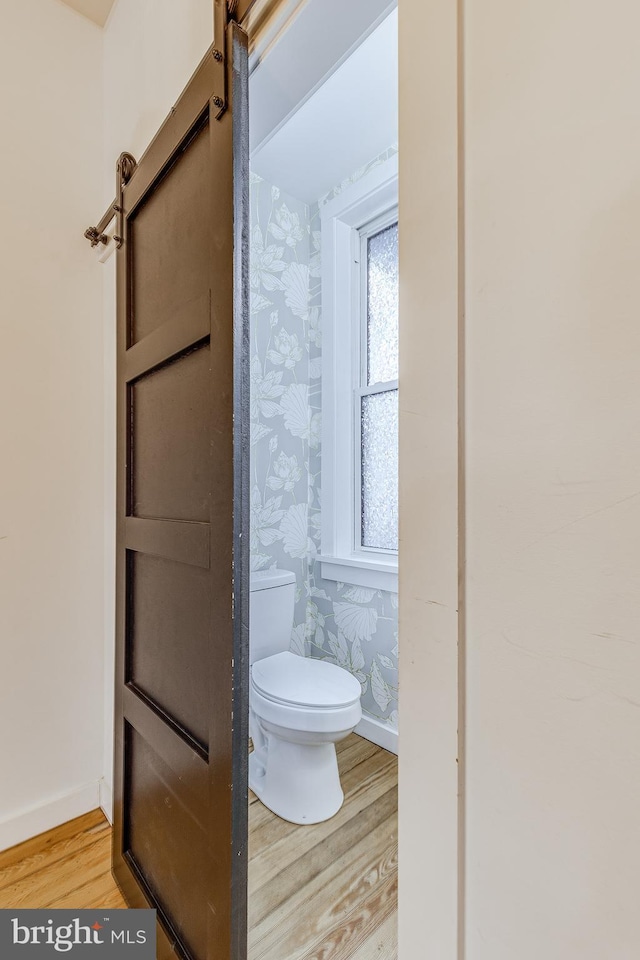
{"x":365,"y":207}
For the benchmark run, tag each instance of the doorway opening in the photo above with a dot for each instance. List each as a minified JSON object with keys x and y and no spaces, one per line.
{"x":324,"y":387}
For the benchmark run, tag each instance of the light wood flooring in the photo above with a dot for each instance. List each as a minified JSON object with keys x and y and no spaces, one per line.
{"x":68,"y":867}
{"x":325,"y":892}
{"x":329,"y":891}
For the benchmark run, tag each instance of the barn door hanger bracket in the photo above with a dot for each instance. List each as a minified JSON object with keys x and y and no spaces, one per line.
{"x":223,"y":12}
{"x":221,"y":16}
{"x":125,"y":168}
{"x":124,"y":171}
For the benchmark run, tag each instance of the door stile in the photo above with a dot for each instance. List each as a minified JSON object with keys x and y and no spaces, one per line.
{"x":125,"y":882}
{"x":229,"y":772}
{"x":238,"y":60}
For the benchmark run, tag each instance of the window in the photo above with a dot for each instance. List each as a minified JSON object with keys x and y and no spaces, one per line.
{"x":360,"y":382}
{"x":377,"y":395}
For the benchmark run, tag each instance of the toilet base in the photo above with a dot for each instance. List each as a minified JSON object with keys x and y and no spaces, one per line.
{"x":299,"y":782}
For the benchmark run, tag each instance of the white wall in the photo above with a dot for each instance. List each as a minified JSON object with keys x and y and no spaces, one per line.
{"x":549,"y":264}
{"x":51,"y":539}
{"x":151,"y":49}
{"x":553,"y":286}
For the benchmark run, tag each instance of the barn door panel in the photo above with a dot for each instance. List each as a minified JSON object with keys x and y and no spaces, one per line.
{"x":182,"y":535}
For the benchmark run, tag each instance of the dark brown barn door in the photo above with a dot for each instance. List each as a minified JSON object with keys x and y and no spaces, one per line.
{"x":182,"y":536}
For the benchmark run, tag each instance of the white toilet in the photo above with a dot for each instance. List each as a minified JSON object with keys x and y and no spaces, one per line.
{"x":299,"y":709}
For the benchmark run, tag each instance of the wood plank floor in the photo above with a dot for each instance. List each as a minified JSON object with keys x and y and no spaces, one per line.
{"x":324,"y":892}
{"x":66,"y":867}
{"x":329,"y":891}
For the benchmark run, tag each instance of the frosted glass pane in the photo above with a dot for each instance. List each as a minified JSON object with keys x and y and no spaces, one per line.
{"x":379,"y":414}
{"x":382,"y":306}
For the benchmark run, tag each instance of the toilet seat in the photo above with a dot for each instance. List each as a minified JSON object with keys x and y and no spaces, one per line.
{"x":281,"y":683}
{"x":301,"y":682}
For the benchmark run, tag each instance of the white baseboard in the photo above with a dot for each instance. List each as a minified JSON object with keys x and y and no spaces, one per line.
{"x":46,"y":816}
{"x":106,"y":800}
{"x":377,"y":732}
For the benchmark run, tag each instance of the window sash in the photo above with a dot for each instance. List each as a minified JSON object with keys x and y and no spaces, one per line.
{"x":364,"y":233}
{"x":390,"y":386}
{"x":364,"y":388}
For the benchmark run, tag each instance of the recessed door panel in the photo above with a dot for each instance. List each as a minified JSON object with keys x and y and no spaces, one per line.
{"x":168,"y":625}
{"x":166,"y":843}
{"x":170,"y":239}
{"x":170,"y":417}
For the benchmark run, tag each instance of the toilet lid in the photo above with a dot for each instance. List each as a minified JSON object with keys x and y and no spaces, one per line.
{"x":288,"y":678}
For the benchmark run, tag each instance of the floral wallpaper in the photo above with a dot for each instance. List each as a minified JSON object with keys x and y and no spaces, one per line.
{"x":354,"y":627}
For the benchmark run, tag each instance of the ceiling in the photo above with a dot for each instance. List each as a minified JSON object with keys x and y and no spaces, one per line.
{"x":96,"y":10}
{"x":350,"y":118}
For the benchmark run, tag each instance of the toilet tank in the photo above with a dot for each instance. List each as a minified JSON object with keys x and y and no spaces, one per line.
{"x":272,"y":601}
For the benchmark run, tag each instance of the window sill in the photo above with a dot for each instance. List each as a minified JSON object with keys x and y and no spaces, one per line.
{"x":376,"y":574}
